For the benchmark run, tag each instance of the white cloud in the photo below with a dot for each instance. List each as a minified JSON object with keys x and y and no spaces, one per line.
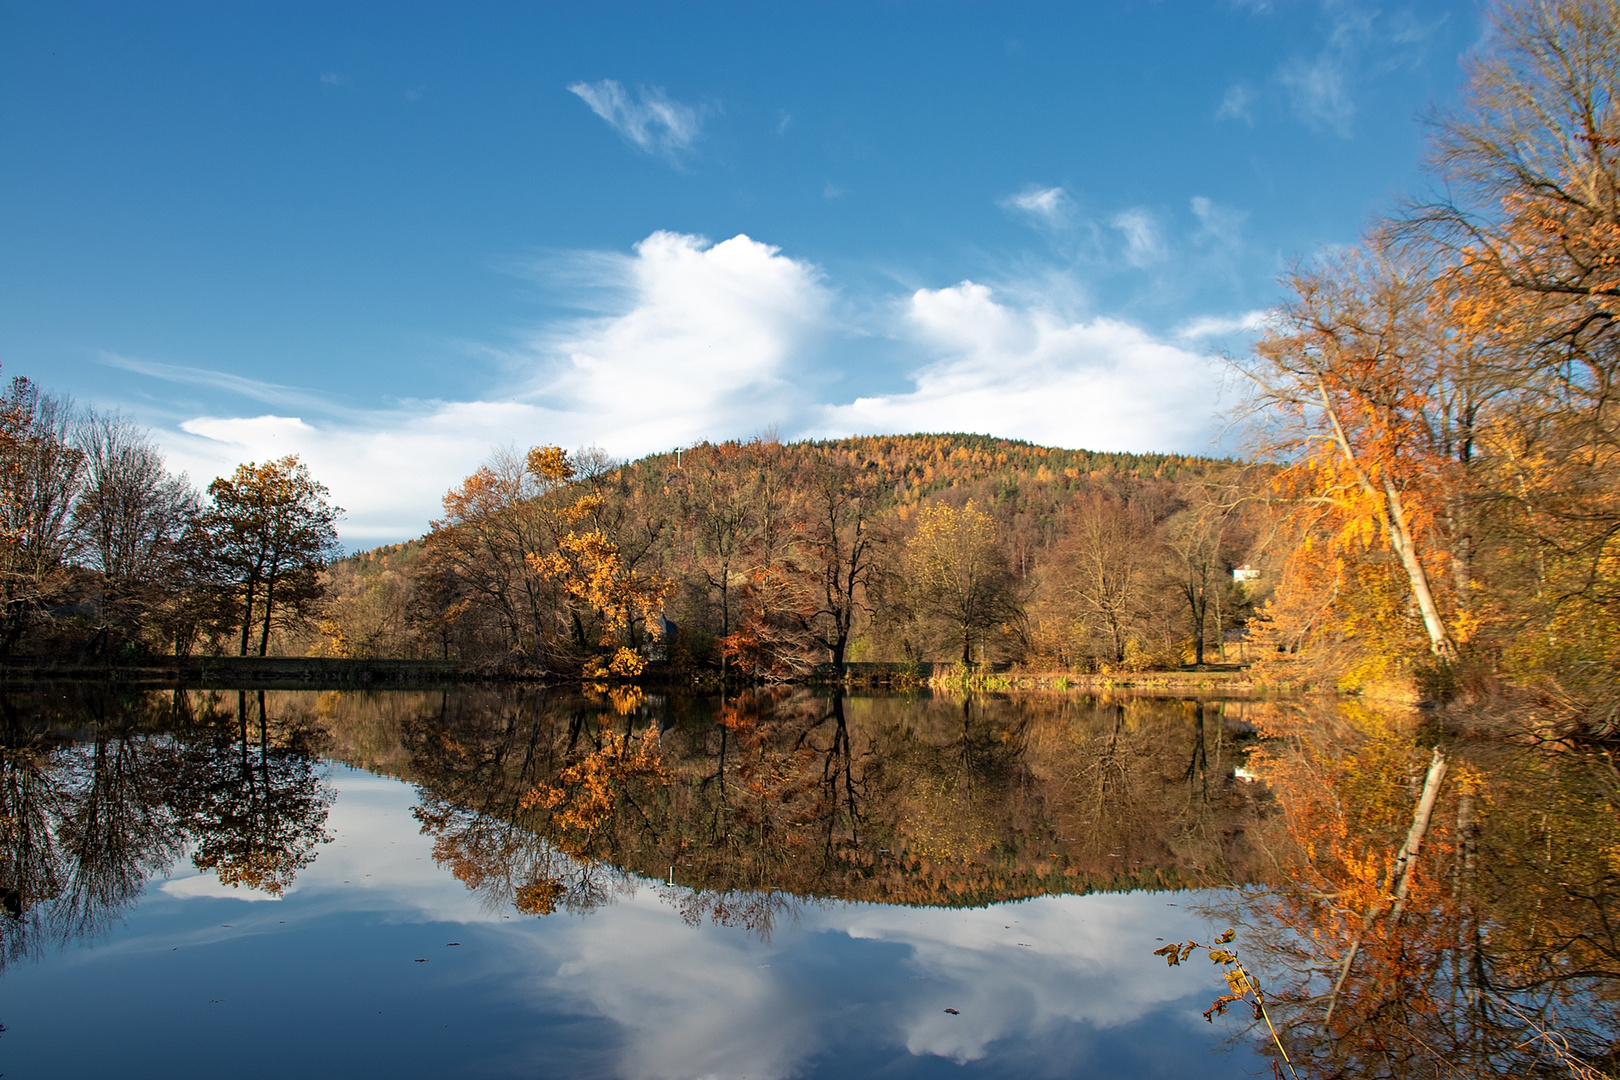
{"x":713,"y":341}
{"x":1318,"y":92}
{"x":1049,"y":205}
{"x":1032,"y":374}
{"x":707,"y":346}
{"x":1237,"y":105}
{"x":704,"y":347}
{"x":650,"y":120}
{"x":1143,"y":245}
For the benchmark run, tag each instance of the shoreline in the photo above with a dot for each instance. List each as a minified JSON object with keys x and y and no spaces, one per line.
{"x":290,"y":672}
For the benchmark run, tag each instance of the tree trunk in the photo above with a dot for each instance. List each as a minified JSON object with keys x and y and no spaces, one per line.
{"x":1400,"y":538}
{"x":264,"y":636}
{"x":247,"y":615}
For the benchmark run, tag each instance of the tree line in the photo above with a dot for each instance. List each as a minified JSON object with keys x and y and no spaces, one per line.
{"x":105,"y":554}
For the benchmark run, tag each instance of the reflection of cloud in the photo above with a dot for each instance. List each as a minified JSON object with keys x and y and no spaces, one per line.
{"x":198,"y":886}
{"x":671,"y":1000}
{"x":1028,"y":373}
{"x":689,"y":1003}
{"x":649,"y":120}
{"x":1016,"y":969}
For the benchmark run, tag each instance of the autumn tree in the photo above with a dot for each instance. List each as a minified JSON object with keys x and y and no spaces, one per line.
{"x":1378,"y":393}
{"x":493,"y":521}
{"x":720,"y":518}
{"x":1530,"y":226}
{"x":1194,"y":539}
{"x":957,"y":573}
{"x":270,"y":533}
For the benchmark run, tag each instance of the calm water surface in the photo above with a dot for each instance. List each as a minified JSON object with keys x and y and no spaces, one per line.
{"x":541,"y":884}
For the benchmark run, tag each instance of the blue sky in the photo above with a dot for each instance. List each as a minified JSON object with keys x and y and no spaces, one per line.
{"x":392,"y":237}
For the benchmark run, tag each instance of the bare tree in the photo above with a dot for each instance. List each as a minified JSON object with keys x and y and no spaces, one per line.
{"x":1107,"y":565}
{"x":844,"y":539}
{"x":129,"y":518}
{"x":39,"y":476}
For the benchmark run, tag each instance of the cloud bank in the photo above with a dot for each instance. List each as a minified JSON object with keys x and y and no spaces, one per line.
{"x":723,"y":340}
{"x":1028,"y":373}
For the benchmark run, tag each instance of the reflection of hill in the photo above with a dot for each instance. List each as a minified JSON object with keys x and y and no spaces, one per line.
{"x":919,"y":801}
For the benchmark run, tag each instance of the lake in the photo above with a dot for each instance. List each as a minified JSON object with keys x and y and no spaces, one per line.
{"x":520,"y":882}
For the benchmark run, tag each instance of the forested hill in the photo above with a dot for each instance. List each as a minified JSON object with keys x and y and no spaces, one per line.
{"x":930,"y":463}
{"x":775,"y":557}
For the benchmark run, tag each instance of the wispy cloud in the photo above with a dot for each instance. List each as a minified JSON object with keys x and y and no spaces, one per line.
{"x":649,"y":120}
{"x":1223,"y":325}
{"x":1051,"y":206}
{"x":1217,"y":223}
{"x":1143,"y":244}
{"x":1237,"y":104}
{"x":332,"y":78}
{"x":253,"y":389}
{"x":1318,"y":91}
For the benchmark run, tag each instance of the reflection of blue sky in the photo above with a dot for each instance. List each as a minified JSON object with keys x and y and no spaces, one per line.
{"x":327,"y":982}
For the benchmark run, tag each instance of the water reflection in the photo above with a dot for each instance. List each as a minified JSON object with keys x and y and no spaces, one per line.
{"x":776,"y":812}
{"x":100,"y":794}
{"x":929,"y":801}
{"x":1503,"y":959}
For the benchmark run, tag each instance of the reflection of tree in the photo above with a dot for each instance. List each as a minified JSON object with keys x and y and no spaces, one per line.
{"x":82,"y":825}
{"x":541,"y":801}
{"x":120,"y":830}
{"x":99,"y":793}
{"x":254,"y":804}
{"x":1507,"y":948}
